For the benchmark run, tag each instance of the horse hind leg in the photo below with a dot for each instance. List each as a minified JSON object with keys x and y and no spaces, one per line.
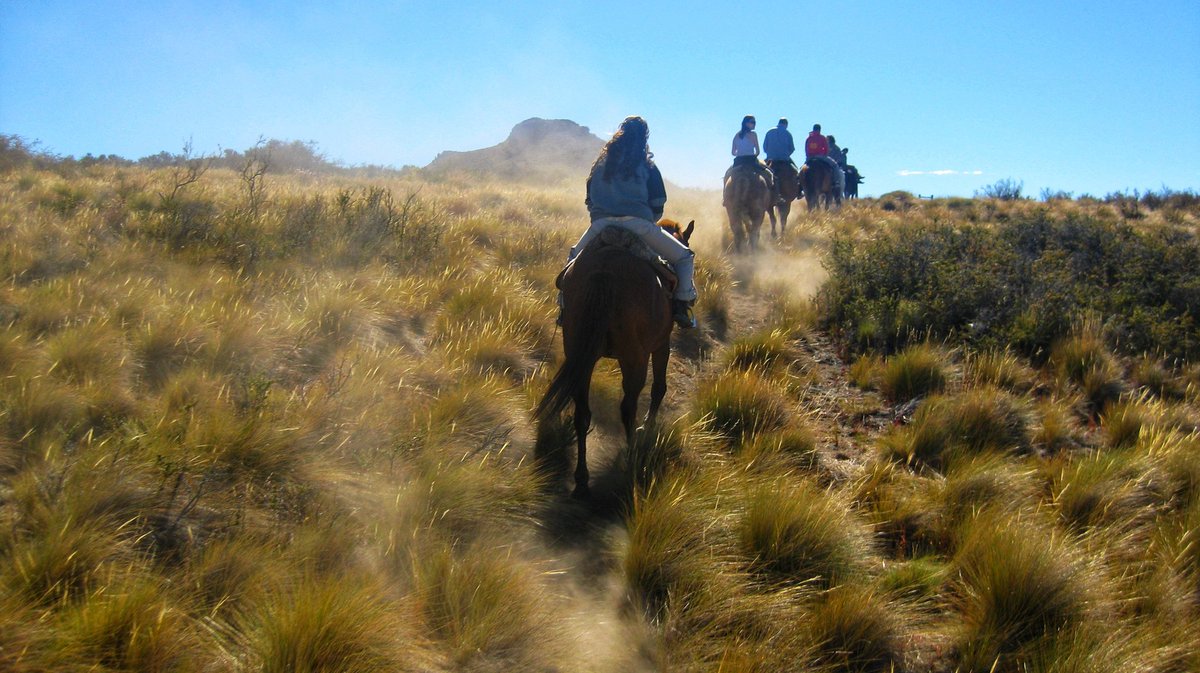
{"x":658,"y":385}
{"x":735,"y":227}
{"x":583,"y":422}
{"x":633,"y":379}
{"x":753,"y":226}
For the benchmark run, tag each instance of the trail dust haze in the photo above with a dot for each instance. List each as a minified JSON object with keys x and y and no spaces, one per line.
{"x":799,"y":274}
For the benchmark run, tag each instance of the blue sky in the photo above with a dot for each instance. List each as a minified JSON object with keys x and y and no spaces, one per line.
{"x":931,"y":97}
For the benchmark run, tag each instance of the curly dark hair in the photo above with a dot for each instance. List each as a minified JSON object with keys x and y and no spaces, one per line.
{"x":626,"y":150}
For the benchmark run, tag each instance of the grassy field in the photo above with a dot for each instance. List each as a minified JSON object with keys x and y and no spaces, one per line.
{"x":282,"y":423}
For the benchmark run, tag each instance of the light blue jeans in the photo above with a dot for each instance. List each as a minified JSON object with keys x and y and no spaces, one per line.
{"x":662,"y":243}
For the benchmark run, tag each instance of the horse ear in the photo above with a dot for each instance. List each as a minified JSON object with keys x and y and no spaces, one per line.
{"x":687,"y":233}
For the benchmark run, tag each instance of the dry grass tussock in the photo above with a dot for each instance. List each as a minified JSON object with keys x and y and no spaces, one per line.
{"x":287,"y":428}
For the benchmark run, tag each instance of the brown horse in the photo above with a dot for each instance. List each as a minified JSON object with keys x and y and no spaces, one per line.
{"x":747,"y":199}
{"x":787,"y":183}
{"x":820,"y":185}
{"x":617,"y":305}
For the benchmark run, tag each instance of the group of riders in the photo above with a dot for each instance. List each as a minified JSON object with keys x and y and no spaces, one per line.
{"x":625,"y":189}
{"x":779,"y":146}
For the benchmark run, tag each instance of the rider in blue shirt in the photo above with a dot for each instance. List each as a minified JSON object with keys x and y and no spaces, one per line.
{"x":778,"y":145}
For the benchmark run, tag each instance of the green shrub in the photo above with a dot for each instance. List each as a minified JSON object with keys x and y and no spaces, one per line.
{"x":739,"y":404}
{"x":1018,"y":588}
{"x":973,"y":422}
{"x":325,"y":625}
{"x":915,"y":372}
{"x":1007,"y":189}
{"x":799,"y":533}
{"x":766,"y":351}
{"x":485,"y":604}
{"x":857,"y":630}
{"x":1023,"y":281}
{"x":793,"y":446}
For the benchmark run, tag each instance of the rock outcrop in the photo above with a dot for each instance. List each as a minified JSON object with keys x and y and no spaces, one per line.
{"x":537,"y":150}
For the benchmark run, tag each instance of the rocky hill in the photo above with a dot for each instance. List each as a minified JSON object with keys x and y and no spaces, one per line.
{"x":537,"y":150}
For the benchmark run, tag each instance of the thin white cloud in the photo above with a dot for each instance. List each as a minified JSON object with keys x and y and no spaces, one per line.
{"x":942,"y":171}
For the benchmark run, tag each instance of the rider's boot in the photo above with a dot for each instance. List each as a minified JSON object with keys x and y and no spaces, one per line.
{"x":681,"y":313}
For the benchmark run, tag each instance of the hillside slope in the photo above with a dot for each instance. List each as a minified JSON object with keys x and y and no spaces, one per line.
{"x":290,"y":429}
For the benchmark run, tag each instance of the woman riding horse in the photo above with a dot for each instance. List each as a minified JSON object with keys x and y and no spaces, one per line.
{"x":626,"y":190}
{"x":617,"y":303}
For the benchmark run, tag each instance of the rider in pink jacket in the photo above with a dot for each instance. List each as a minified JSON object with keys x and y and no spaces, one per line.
{"x":816,"y":148}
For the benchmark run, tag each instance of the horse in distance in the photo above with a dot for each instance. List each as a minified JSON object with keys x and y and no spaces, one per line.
{"x":747,"y":198}
{"x":787,"y":182}
{"x":820,"y":185}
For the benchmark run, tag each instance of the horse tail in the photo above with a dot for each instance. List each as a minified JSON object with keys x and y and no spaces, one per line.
{"x":585,"y":347}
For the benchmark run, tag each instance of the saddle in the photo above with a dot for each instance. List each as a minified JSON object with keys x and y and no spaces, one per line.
{"x":620,"y":237}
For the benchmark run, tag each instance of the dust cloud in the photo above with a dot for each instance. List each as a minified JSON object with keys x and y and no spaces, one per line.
{"x":791,"y":263}
{"x":798,"y":272}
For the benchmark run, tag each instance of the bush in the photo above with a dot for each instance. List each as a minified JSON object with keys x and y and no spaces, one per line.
{"x":1019,"y":588}
{"x":132,"y":626}
{"x":802,"y":534}
{"x":1006,"y":189}
{"x":919,"y":579}
{"x":916,"y":372}
{"x":674,"y":560}
{"x":1022,"y":281}
{"x":1107,"y":490}
{"x":484,"y":603}
{"x":336,"y":625}
{"x":1000,"y":368}
{"x":794,"y":446}
{"x":857,"y":630}
{"x":897,"y":200}
{"x":739,"y":404}
{"x":766,"y":351}
{"x":948,"y":427}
